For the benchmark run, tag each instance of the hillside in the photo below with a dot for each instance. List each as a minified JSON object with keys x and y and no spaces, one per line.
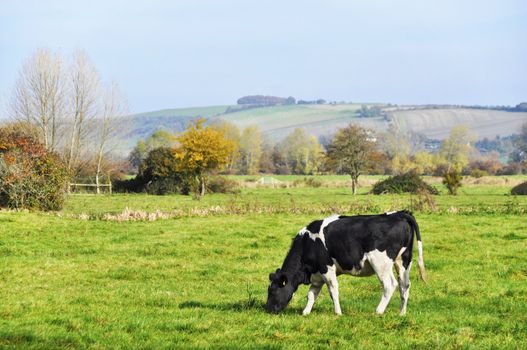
{"x":321,"y":120}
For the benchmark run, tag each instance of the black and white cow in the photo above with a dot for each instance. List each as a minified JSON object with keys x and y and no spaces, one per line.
{"x":355,"y":245}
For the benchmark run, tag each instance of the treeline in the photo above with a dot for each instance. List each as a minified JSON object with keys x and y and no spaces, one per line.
{"x":352,"y":150}
{"x":261,"y":101}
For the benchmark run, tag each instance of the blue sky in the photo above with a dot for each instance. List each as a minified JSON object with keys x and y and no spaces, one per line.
{"x":168,"y":54}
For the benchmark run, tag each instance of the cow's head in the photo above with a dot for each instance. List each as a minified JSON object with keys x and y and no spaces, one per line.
{"x":280,"y":292}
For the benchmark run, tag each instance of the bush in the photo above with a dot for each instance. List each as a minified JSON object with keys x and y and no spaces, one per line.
{"x":221,"y":184}
{"x":409,"y":182}
{"x":477,"y":173}
{"x":166,"y":185}
{"x":30,"y":176}
{"x":452,"y":181}
{"x":520,"y":189}
{"x":312,"y":182}
{"x":513,"y":169}
{"x":134,"y":185}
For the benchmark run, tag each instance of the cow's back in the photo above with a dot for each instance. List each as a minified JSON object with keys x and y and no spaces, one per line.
{"x":351,"y":237}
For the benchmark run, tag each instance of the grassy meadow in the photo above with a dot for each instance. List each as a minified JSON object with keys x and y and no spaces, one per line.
{"x":195,"y":275}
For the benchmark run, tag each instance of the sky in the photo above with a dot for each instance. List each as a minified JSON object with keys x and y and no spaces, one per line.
{"x":171,"y":54}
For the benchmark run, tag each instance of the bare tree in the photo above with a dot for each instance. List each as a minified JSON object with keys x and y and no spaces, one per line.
{"x":84,"y":94}
{"x":114,"y":107}
{"x":74,"y":116}
{"x":38,"y":96}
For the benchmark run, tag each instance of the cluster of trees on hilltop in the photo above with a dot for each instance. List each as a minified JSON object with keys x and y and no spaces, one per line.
{"x":261,"y":100}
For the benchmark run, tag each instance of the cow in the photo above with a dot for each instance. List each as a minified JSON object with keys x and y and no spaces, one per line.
{"x":360,"y":245}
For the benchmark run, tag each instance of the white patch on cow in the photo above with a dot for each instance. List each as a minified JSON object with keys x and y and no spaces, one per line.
{"x":302,"y":232}
{"x":383,"y":267}
{"x":420,"y":261}
{"x":364,"y":271}
{"x":390,"y":212}
{"x":330,"y":278}
{"x":420,"y":252}
{"x":320,"y":233}
{"x":404,"y":284}
{"x":401,"y":252}
{"x":316,"y":285}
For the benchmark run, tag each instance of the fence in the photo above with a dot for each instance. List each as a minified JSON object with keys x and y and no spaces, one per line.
{"x":98,"y":187}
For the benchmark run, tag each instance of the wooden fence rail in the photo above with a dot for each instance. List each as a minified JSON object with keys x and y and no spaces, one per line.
{"x":109,"y":185}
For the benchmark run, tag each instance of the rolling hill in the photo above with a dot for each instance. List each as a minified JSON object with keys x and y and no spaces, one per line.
{"x":322,"y":120}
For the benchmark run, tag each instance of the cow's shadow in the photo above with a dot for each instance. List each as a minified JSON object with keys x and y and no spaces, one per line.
{"x":238,"y":306}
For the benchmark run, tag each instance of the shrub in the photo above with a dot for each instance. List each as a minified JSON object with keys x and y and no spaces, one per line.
{"x":134,"y":185}
{"x":221,"y":184}
{"x":477,"y":173}
{"x":520,"y":189}
{"x":312,"y":182}
{"x":452,"y":181}
{"x":408,"y":182}
{"x":513,"y":169}
{"x":30,"y":176}
{"x":166,"y":185}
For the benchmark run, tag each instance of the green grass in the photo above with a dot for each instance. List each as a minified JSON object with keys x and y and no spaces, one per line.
{"x":200,"y":282}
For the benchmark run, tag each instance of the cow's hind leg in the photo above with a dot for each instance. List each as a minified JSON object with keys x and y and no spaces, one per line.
{"x":404,"y":282}
{"x":312,"y":294}
{"x":383,"y":267}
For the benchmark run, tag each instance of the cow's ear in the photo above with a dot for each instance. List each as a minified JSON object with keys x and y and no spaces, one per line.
{"x":272,"y":276}
{"x":282,"y":281}
{"x":277,"y":270}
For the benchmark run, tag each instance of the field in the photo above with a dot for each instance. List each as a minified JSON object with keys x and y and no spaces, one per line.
{"x":276,"y":122}
{"x":195,"y":276}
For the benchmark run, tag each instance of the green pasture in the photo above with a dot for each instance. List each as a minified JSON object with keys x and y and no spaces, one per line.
{"x":198,"y":281}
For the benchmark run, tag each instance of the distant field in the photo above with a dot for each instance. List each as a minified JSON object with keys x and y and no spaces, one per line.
{"x":322,"y":120}
{"x":277,"y":122}
{"x":198,"y":280}
{"x":436,"y":123}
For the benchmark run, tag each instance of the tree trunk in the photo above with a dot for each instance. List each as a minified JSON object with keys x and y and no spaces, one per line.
{"x":97,"y":183}
{"x":202,"y":192}
{"x":354,"y":185}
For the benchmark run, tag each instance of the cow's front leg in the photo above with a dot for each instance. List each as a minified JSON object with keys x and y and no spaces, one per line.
{"x":330,"y":278}
{"x":312,"y":294}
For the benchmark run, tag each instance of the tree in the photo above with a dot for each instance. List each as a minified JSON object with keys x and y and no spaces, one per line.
{"x":349,"y":152}
{"x":232,"y":133}
{"x":39,"y":96}
{"x":160,"y":138}
{"x":303,"y":152}
{"x":66,"y":105}
{"x":520,"y":153}
{"x":423,"y":163}
{"x":138,"y":154}
{"x":84,"y":104}
{"x":250,"y":149}
{"x":202,"y":150}
{"x":114,"y":108}
{"x":454,"y":150}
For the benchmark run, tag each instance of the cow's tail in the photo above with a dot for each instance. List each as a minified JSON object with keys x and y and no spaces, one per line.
{"x":420,"y":261}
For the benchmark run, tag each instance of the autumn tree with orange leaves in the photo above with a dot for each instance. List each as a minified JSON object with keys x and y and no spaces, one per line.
{"x":202,"y":150}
